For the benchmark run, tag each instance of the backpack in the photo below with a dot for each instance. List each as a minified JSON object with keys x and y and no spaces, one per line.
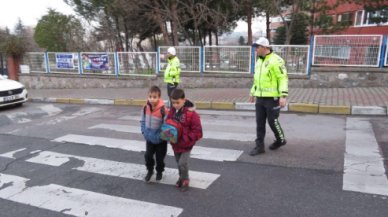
{"x":171,"y":131}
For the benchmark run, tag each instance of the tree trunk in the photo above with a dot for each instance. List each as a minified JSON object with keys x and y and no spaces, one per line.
{"x":174,"y":23}
{"x":155,"y":45}
{"x":118,"y":33}
{"x":200,"y":37}
{"x":312,"y":14}
{"x":210,"y":38}
{"x":249,"y":21}
{"x":216,"y":33}
{"x":162,"y":25}
{"x":268,"y":23}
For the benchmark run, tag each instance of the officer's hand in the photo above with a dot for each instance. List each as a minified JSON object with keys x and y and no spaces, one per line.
{"x":251,"y":98}
{"x":282,"y":101}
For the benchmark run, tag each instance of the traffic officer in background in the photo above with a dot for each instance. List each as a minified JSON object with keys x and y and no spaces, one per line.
{"x":172,"y":72}
{"x":270,"y":89}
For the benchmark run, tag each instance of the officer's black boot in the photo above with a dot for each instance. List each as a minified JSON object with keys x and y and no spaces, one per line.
{"x":259,"y":149}
{"x":277,"y":144}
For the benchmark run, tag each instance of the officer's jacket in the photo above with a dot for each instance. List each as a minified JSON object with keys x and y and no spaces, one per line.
{"x":173,"y":71}
{"x":270,"y":79}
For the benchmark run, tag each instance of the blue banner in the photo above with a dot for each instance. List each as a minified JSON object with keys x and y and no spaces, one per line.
{"x":64,"y":61}
{"x":95,"y":61}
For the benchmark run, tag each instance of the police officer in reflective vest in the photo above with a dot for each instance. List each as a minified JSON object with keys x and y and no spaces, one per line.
{"x":270,"y":89}
{"x":172,"y":72}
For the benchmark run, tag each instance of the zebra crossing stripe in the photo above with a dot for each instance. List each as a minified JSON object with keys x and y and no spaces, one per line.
{"x":364,"y":166}
{"x":11,"y":153}
{"x":200,"y":180}
{"x":207,"y":134}
{"x":78,"y":202}
{"x":209,"y":122}
{"x":198,"y":152}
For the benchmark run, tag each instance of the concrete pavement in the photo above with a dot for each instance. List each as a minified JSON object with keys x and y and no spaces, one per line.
{"x":344,"y":101}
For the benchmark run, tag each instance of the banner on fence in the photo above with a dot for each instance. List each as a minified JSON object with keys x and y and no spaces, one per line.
{"x":95,"y":61}
{"x":64,"y":61}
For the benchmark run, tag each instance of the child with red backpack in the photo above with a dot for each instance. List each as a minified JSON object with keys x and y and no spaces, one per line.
{"x":188,"y":124}
{"x":153,"y":116}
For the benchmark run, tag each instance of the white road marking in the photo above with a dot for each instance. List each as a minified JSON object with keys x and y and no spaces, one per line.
{"x":200,"y":180}
{"x":227,"y":113}
{"x":50,"y":109}
{"x":77,"y":202}
{"x":199,"y":152}
{"x":11,"y":154}
{"x":18,"y":117}
{"x":207,"y":134}
{"x":364,"y":166}
{"x":82,"y":112}
{"x":209,"y":122}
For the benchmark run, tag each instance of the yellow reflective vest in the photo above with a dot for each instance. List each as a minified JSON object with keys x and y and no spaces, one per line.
{"x":270,"y":79}
{"x":173,"y":71}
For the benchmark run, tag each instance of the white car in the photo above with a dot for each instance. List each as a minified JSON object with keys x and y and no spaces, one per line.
{"x":11,"y":92}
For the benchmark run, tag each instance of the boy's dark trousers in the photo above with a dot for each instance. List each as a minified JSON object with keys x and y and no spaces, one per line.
{"x":160,"y":151}
{"x":170,"y":88}
{"x":267,"y":108}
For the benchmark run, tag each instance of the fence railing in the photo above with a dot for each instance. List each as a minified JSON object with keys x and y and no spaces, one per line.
{"x":64,"y":62}
{"x":295,"y":56}
{"x":139,"y":63}
{"x":101,"y":63}
{"x":36,"y":62}
{"x":386,"y":55}
{"x":189,"y":57}
{"x":347,"y":50}
{"x":325,"y":50}
{"x":227,"y":59}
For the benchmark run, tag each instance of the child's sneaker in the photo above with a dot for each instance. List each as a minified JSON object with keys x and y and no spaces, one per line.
{"x":178,"y":183}
{"x":147,"y":178}
{"x":159,"y":176}
{"x":185,"y":185}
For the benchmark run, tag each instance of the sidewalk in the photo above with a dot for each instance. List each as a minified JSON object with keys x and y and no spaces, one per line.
{"x":348,"y":101}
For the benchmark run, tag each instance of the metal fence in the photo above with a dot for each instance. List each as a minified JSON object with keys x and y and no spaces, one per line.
{"x":54,"y":67}
{"x":295,"y":56}
{"x":92,"y":64}
{"x":189,"y":57}
{"x":347,"y":50}
{"x":386,"y":55}
{"x":227,"y":59}
{"x":328,"y":50}
{"x":35,"y":61}
{"x":137,"y":63}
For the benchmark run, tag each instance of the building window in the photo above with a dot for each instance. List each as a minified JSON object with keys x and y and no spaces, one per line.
{"x":359,"y":19}
{"x":372,"y":17}
{"x":345,"y":18}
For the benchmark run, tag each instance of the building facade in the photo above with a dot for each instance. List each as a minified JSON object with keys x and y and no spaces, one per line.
{"x":360,"y":19}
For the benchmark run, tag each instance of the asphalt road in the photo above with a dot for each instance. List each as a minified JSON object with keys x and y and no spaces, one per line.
{"x":81,"y":160}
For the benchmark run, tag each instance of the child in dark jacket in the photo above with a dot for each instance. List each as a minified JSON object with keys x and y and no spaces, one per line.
{"x":183,"y":111}
{"x":152,"y":118}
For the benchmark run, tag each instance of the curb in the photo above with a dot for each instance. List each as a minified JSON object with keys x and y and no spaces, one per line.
{"x":309,"y":108}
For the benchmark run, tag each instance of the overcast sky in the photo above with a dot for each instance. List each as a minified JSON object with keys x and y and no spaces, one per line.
{"x":29,"y":11}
